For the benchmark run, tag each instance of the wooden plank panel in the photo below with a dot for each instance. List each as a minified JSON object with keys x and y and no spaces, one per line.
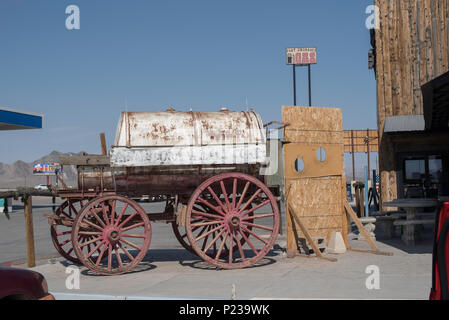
{"x":415,"y":56}
{"x":380,"y":74}
{"x":313,"y":167}
{"x":388,"y":108}
{"x":304,"y":194}
{"x":422,"y":47}
{"x":317,"y":193}
{"x":322,"y":223}
{"x":394,"y":59}
{"x":428,"y":32}
{"x":405,"y":57}
{"x":446,"y":49}
{"x":313,"y":118}
{"x":436,"y":43}
{"x":444,"y":35}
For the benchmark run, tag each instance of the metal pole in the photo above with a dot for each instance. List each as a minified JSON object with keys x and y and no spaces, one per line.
{"x":366,"y":194}
{"x":294,"y":85}
{"x":310,"y":85}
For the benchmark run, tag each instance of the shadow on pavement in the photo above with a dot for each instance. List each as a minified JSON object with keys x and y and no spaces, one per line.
{"x":424,"y":244}
{"x":141,"y":267}
{"x":185,"y":258}
{"x":203,"y":265}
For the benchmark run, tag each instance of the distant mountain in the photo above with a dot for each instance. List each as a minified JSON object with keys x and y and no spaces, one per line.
{"x":20,"y":173}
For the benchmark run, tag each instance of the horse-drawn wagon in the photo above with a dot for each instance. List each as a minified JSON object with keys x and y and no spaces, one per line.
{"x":208,"y":169}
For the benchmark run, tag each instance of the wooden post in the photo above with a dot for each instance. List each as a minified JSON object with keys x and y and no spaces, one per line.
{"x":357,"y":199}
{"x":281,"y":229}
{"x":353,"y":155}
{"x":368,"y":151}
{"x":29,"y":231}
{"x":104,"y":150}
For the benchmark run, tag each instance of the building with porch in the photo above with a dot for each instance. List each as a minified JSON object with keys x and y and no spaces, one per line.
{"x":411,"y":63}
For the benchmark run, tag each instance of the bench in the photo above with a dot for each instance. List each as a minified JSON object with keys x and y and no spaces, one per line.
{"x":384,"y":214}
{"x":387,"y":221}
{"x":408,"y":227}
{"x":403,"y":222}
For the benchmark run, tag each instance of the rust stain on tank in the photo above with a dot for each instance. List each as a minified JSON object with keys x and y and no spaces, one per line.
{"x":148,"y":129}
{"x":248,"y":121}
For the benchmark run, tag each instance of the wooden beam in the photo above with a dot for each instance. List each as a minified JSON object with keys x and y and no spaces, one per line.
{"x":87,"y":160}
{"x":359,"y":225}
{"x":23,"y":192}
{"x":29,"y":232}
{"x":363,"y":231}
{"x":104,"y":150}
{"x":379,"y":253}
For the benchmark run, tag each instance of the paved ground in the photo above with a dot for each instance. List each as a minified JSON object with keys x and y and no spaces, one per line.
{"x":169,"y":272}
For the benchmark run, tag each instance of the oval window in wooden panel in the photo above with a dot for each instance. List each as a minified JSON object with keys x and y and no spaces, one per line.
{"x":321,"y":154}
{"x":299,"y":165}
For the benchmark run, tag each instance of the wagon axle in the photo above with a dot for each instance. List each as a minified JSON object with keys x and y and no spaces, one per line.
{"x":234,"y":221}
{"x":112,"y":234}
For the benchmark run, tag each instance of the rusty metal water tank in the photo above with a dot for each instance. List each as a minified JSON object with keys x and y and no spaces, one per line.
{"x":188,"y":138}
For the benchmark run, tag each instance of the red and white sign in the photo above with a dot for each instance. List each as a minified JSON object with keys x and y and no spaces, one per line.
{"x":301,"y":56}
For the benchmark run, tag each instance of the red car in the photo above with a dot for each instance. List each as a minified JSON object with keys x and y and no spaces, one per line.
{"x":22,"y":284}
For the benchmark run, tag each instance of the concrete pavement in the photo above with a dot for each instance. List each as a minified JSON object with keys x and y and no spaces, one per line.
{"x":170,"y":272}
{"x":176,"y":274}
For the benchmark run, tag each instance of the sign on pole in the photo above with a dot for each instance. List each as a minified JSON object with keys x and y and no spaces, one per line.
{"x":301,"y":56}
{"x":44,"y":169}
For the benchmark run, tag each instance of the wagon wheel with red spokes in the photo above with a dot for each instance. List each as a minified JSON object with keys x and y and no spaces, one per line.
{"x":181,"y":234}
{"x":61,"y":235}
{"x":241,"y":211}
{"x":121,"y":234}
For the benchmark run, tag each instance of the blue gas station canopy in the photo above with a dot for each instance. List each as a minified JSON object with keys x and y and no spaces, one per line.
{"x":11,"y":119}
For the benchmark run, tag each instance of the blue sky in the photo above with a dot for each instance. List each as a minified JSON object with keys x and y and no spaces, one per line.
{"x":149,"y":55}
